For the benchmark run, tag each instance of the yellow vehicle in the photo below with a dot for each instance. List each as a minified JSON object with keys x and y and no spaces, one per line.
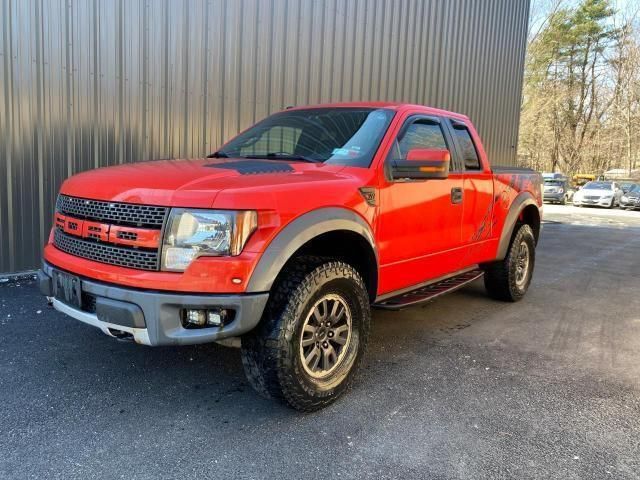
{"x":580,"y":179}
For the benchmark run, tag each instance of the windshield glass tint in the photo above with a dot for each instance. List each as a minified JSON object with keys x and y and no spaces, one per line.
{"x":343,"y":136}
{"x":554,"y":183}
{"x":634,"y":189}
{"x":598,"y":186}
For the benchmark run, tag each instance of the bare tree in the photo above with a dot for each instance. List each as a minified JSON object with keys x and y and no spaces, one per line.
{"x":580,"y":107}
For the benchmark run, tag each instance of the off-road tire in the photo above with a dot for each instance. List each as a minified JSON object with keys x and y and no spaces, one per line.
{"x":500,"y":276}
{"x":270,"y":352}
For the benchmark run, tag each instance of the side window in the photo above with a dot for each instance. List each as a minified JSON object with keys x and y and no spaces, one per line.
{"x":469,"y":152}
{"x":420,"y":134}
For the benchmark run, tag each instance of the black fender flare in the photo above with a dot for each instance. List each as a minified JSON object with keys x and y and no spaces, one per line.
{"x":523,"y":200}
{"x":300,"y":231}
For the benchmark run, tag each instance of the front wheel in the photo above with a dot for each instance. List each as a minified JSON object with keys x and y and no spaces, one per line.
{"x":509,"y":279}
{"x":312,"y":336}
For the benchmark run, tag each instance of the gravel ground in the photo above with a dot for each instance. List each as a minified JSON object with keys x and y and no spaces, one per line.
{"x":464,"y":387}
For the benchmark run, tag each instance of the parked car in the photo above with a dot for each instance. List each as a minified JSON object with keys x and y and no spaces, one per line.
{"x":631,"y":199}
{"x":557,"y":190}
{"x":626,"y":186}
{"x":600,"y":194}
{"x":284,"y":239}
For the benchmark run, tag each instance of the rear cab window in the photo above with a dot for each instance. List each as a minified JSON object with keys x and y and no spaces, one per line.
{"x":466,"y":146}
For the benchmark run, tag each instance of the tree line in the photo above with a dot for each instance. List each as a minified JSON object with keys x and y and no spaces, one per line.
{"x":581,"y":92}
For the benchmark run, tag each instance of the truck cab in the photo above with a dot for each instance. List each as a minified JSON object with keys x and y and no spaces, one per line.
{"x":284,"y":239}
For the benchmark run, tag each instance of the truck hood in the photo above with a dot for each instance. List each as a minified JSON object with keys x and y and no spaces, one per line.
{"x":193,"y":183}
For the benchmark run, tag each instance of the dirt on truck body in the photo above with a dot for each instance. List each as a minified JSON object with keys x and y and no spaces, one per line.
{"x":287,"y":236}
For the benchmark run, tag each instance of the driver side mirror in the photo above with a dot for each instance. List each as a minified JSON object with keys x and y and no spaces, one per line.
{"x":422,"y":164}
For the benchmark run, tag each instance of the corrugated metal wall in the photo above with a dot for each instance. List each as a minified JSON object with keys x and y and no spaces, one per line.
{"x":89,"y":83}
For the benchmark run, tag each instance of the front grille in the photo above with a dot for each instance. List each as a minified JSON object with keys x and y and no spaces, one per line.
{"x":105,"y":253}
{"x":112,"y":212}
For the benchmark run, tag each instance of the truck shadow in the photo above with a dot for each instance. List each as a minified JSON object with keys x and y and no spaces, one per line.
{"x":131,"y":381}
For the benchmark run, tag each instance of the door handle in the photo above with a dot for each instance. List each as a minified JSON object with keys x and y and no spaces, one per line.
{"x":456,"y":195}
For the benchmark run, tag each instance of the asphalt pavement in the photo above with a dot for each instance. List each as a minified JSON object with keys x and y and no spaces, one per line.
{"x":464,"y":387}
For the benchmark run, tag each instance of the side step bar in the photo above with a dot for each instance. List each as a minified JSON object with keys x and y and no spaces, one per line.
{"x":429,"y":292}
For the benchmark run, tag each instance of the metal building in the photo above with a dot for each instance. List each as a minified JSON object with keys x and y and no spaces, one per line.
{"x":90,"y":83}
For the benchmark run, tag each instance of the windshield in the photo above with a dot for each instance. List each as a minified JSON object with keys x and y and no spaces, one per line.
{"x":343,"y":136}
{"x":598,"y":186}
{"x":634,"y":188}
{"x":553,"y":183}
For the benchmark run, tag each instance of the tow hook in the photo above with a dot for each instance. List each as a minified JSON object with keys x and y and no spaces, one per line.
{"x":120,"y":335}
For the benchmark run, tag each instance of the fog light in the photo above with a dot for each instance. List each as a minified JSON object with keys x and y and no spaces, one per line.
{"x":196,"y":318}
{"x":216,"y":318}
{"x":203,"y":318}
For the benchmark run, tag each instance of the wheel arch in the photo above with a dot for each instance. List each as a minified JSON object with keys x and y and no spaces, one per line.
{"x":524,"y":209}
{"x":332,"y":232}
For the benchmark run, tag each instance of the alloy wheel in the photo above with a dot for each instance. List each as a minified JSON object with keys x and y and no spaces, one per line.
{"x":326,"y":335}
{"x":522,"y":264}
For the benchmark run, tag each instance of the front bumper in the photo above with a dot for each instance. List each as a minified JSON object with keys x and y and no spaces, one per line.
{"x":601,"y":202}
{"x":552,"y":197}
{"x":154,"y":317}
{"x":635,"y":204}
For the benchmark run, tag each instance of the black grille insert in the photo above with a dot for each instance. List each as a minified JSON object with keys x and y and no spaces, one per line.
{"x":127,"y":235}
{"x":112,"y":212}
{"x":100,"y":252}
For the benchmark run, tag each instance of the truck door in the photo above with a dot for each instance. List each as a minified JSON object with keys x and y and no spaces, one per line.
{"x":420,"y":220}
{"x":477,"y":210}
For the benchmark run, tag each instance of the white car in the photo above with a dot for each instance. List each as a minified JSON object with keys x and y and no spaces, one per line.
{"x":598,"y":194}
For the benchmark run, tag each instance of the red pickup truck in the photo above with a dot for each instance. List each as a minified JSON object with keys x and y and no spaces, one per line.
{"x":286,"y":237}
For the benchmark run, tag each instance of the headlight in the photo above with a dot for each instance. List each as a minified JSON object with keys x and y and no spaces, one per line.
{"x":561,"y":190}
{"x":193,"y":233}
{"x":624,"y":198}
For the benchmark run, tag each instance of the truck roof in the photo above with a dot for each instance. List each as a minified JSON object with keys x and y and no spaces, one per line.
{"x":397,"y":106}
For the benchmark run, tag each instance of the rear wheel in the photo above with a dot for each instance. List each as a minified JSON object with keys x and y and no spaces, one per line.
{"x":312,"y":336}
{"x":509,"y":279}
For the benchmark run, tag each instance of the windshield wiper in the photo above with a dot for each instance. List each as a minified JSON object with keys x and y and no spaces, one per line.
{"x":218,"y":154}
{"x":284,"y":156}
